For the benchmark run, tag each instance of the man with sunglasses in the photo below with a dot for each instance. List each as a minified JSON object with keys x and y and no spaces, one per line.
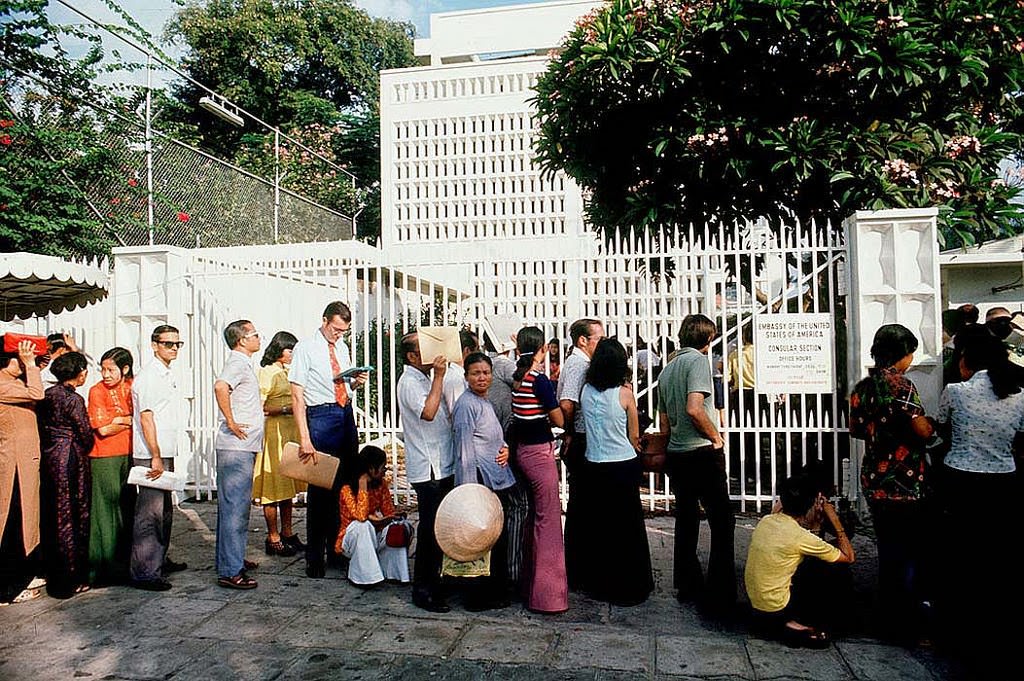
{"x":238,"y":438}
{"x":323,"y":413}
{"x":159,"y":417}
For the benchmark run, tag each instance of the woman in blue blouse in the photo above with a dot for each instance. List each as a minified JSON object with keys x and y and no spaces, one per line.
{"x":617,"y":555}
{"x":482,"y":457}
{"x":984,"y":418}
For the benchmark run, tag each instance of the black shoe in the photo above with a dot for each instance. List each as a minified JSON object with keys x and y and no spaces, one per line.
{"x":170,"y":566}
{"x":294,"y":542}
{"x":430,"y":603}
{"x":315,"y":570}
{"x":150,"y":584}
{"x":279,"y":548}
{"x":249,"y":564}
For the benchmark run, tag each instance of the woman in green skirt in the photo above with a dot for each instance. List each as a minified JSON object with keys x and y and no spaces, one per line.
{"x":110,"y":414}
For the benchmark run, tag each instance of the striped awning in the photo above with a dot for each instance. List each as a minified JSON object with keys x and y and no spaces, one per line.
{"x":33,"y":285}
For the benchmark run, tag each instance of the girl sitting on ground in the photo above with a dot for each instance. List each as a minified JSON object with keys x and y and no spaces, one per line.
{"x":367,"y":513}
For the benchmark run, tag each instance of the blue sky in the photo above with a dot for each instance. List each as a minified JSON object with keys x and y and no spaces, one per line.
{"x":153,"y":14}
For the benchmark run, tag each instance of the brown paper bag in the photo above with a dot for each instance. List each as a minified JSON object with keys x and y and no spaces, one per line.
{"x":321,"y":473}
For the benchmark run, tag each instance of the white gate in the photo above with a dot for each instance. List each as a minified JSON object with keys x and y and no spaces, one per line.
{"x":640,"y":287}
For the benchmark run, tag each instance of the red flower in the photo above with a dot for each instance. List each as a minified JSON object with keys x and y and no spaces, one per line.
{"x":182,"y":217}
{"x":6,"y":124}
{"x":114,"y":201}
{"x":901,"y":453}
{"x":5,"y":139}
{"x":3,"y":206}
{"x":133,"y":182}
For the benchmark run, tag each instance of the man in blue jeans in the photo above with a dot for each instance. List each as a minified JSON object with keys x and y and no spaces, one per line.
{"x":323,"y":412}
{"x":239,"y":437}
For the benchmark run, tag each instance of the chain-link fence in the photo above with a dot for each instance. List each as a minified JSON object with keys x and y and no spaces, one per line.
{"x":155,"y":188}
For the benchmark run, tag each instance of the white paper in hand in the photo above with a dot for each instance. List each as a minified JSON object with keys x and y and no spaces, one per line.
{"x":168,"y":480}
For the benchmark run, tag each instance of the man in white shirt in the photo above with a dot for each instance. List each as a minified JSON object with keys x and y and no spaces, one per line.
{"x":585,"y":335}
{"x":429,"y":461}
{"x":238,"y":439}
{"x":159,"y":416}
{"x":322,"y":406}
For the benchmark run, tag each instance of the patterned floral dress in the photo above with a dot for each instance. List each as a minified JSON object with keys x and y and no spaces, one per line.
{"x":66,"y":438}
{"x":894,"y":477}
{"x":881,"y":409}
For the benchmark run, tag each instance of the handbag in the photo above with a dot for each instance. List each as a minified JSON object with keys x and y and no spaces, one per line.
{"x":398,"y":535}
{"x":653,"y":451}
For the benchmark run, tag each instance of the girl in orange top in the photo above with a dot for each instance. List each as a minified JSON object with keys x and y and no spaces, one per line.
{"x":366,"y":513}
{"x":110,"y":414}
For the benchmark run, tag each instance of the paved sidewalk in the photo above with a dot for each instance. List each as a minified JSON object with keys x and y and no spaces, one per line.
{"x":292,"y":627}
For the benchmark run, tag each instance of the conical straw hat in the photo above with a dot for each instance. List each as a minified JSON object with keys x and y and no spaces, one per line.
{"x":469,"y":521}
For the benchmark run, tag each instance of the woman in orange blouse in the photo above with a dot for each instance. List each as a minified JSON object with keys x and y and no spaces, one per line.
{"x":110,"y":415}
{"x":366,"y":514}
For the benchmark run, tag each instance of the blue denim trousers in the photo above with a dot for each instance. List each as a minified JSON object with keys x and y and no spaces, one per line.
{"x":234,"y":497}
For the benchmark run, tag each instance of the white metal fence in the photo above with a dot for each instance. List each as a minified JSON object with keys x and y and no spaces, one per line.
{"x":641,"y":288}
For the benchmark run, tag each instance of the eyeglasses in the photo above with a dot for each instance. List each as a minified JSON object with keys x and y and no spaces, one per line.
{"x":171,"y":345}
{"x":253,"y":334}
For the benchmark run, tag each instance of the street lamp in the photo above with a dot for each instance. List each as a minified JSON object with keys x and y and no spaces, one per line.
{"x":222,"y":110}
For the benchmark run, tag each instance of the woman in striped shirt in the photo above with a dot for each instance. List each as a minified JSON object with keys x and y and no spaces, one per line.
{"x":534,"y":410}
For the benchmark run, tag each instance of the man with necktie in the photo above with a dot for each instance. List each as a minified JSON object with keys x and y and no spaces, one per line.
{"x":323,"y":412}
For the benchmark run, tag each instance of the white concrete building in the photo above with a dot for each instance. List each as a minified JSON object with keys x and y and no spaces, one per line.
{"x":457,"y":136}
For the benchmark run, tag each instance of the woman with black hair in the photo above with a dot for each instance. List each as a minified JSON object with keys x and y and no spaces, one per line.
{"x":983,"y":417}
{"x":367,"y":513}
{"x":534,"y":410}
{"x":617,"y":557}
{"x":21,"y":388}
{"x":110,"y":414}
{"x":270,"y":489}
{"x":66,"y":438}
{"x":886,"y":412}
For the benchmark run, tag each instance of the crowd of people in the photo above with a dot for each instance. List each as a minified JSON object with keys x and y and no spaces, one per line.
{"x":70,"y":518}
{"x":941,"y":486}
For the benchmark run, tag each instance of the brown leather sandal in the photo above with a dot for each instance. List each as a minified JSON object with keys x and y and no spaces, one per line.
{"x":239,"y":581}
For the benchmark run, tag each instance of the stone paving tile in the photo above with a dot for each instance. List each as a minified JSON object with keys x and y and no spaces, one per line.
{"x":529,"y":672}
{"x":773,"y":660}
{"x":412,"y":667}
{"x":136,"y":654}
{"x":702,"y":656}
{"x":326,"y":663}
{"x":327,"y":628}
{"x":249,"y":661}
{"x":604,"y":649}
{"x":244,"y":622}
{"x":873,"y":662}
{"x":505,"y":643}
{"x":171,"y":616}
{"x":52,"y":656}
{"x":413,"y":637}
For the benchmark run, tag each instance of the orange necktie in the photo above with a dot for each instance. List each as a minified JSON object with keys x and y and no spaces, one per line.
{"x":340,"y":392}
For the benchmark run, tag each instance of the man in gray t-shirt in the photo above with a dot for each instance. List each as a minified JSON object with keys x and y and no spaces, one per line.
{"x":696,"y":468}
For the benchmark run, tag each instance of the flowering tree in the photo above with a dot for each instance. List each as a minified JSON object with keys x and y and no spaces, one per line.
{"x":685,"y":111}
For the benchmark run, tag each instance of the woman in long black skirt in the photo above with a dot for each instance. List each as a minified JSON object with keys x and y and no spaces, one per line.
{"x":618,"y":557}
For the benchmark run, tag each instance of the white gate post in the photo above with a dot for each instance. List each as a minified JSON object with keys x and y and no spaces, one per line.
{"x":894,"y":278}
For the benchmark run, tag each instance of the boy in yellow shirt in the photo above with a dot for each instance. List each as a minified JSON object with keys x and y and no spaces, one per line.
{"x":778,"y":546}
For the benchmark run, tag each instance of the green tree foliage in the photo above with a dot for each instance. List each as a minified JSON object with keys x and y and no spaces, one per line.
{"x":308,"y":68}
{"x":679,"y":112}
{"x":50,"y":153}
